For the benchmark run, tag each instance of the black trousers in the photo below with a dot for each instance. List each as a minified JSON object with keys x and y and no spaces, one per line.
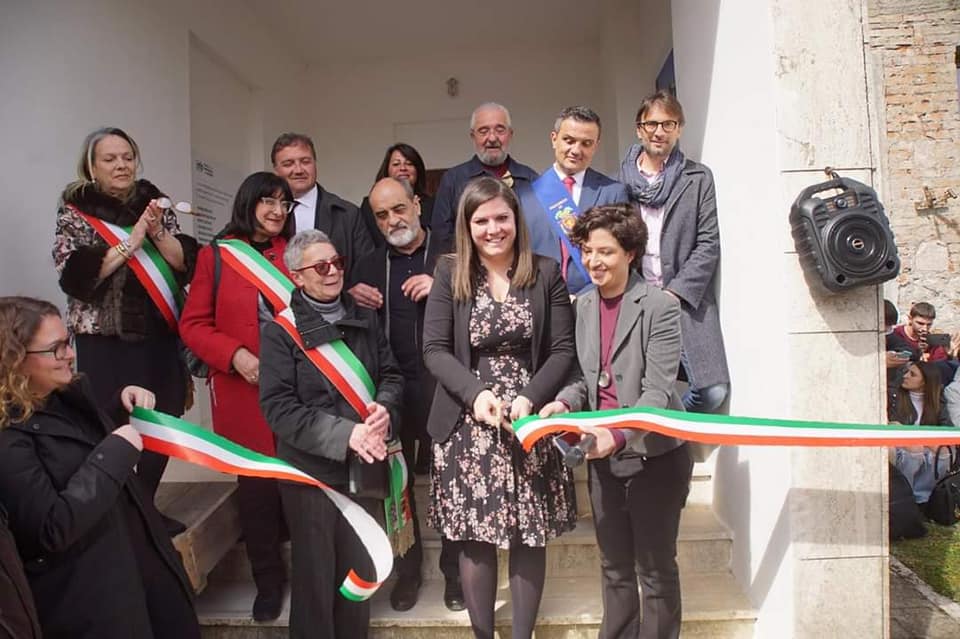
{"x":324,"y":548}
{"x":413,"y":429}
{"x":153,"y":363}
{"x":263,"y":526}
{"x":637,"y":520}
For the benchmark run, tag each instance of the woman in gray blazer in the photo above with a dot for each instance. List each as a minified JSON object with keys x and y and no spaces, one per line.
{"x":628,"y":347}
{"x":498,"y":338}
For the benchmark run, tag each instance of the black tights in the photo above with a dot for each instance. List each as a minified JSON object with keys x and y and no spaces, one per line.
{"x":478,"y":575}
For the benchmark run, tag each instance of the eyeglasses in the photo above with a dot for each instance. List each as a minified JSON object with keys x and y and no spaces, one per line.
{"x":650,"y":126}
{"x":274,"y":203}
{"x":323,"y":266}
{"x":180,"y":207}
{"x":59,"y":349}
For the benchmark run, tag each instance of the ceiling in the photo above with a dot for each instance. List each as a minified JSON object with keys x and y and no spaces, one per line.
{"x":323,"y":33}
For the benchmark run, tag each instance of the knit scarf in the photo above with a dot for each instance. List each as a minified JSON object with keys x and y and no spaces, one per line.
{"x":643,"y":190}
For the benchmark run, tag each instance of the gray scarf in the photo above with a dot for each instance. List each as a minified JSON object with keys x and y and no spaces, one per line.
{"x":650,"y":194}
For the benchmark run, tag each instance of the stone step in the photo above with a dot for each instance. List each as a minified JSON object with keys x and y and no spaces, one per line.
{"x":209,"y":511}
{"x":704,"y":546}
{"x":713,"y":607}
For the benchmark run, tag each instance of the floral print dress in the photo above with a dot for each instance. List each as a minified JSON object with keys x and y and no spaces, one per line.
{"x":484,"y":486}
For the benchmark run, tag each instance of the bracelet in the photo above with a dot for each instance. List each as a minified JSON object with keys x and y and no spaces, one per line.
{"x":123,"y":249}
{"x":159,"y":235}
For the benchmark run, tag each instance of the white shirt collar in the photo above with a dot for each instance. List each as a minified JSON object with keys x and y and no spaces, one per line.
{"x":577,"y":177}
{"x":306,"y":210}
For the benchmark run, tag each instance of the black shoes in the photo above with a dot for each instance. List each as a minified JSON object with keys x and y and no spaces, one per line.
{"x":268,"y":604}
{"x":453,"y":595}
{"x":405,"y":593}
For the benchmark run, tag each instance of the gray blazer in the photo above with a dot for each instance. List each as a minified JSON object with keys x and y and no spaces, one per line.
{"x":690,"y":258}
{"x":644,"y":360}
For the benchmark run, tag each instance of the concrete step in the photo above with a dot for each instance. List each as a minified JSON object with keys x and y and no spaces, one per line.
{"x":209,"y":511}
{"x":704,"y":546}
{"x":713,"y":607}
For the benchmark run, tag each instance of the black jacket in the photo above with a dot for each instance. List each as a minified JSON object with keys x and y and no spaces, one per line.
{"x":310,"y":417}
{"x":18,"y":614}
{"x":341,"y":222}
{"x":449,"y":357}
{"x":69,"y":495}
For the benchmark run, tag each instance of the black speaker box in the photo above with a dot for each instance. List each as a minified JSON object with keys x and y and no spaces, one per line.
{"x":844,"y":236}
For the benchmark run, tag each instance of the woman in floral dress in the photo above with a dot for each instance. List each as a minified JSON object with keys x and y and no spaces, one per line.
{"x":498,"y":337}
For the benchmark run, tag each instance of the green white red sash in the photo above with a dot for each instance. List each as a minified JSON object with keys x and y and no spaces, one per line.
{"x":728,"y":430}
{"x":151,"y":270}
{"x":334,"y":359}
{"x":397,"y":504}
{"x":175,"y":437}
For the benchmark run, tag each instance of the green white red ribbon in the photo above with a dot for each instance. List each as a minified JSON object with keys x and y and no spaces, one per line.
{"x":396,"y":506}
{"x":175,"y":437}
{"x":735,"y":431}
{"x":151,"y":270}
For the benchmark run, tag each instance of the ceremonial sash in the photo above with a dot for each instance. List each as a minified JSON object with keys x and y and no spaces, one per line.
{"x":397,"y":504}
{"x":727,"y":430}
{"x":175,"y":437}
{"x":334,"y":360}
{"x":561,"y":212}
{"x":147,"y":264}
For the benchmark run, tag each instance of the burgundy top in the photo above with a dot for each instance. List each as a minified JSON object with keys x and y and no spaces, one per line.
{"x":609,"y":312}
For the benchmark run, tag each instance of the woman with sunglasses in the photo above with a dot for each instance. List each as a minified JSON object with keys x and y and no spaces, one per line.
{"x":98,"y":560}
{"x":124,"y":335}
{"x":221,"y":325}
{"x":318,"y":430}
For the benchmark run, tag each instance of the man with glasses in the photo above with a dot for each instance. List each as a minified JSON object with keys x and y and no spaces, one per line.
{"x":567,"y":189}
{"x":677,"y":200}
{"x":294,"y":159}
{"x":491,"y":133}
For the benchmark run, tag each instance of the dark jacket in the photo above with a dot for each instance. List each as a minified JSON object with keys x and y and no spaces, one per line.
{"x":449,"y":357}
{"x":366,"y":213}
{"x":119,"y":304}
{"x":340,"y":220}
{"x":451,"y":187}
{"x":69,"y":495}
{"x":311,"y":419}
{"x":690,"y":260}
{"x":643,"y":359}
{"x":18,"y":614}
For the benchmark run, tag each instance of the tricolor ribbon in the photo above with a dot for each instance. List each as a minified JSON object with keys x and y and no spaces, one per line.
{"x":175,"y":437}
{"x":733,"y":431}
{"x":147,"y":264}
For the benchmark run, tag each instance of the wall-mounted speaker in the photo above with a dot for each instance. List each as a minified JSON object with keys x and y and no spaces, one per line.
{"x":842,"y":233}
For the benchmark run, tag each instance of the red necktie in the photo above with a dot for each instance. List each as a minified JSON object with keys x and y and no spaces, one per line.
{"x":564,"y":253}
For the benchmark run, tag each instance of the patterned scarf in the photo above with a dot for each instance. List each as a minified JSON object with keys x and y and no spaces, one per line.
{"x":652,"y":194}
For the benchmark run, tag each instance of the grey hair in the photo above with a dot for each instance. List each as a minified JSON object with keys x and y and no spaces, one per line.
{"x":582,"y":114}
{"x":407,"y":187}
{"x":293,"y":255}
{"x":490,"y":105}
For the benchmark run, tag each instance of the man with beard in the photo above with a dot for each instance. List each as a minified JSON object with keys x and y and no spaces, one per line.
{"x":294,"y":159}
{"x":678,"y":203}
{"x":491,"y":133}
{"x":401,"y":271}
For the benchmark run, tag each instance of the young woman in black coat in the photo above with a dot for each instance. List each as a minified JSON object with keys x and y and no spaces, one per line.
{"x":97,"y":557}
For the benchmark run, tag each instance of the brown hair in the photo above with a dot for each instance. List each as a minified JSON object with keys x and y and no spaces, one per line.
{"x":666,"y":100}
{"x":20,"y":318}
{"x":924,"y":310}
{"x":466,"y":267}
{"x":932,"y":389}
{"x":291,"y":139}
{"x":623,"y":222}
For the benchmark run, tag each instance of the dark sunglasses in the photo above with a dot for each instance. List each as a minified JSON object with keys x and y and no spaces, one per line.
{"x":323,"y":266}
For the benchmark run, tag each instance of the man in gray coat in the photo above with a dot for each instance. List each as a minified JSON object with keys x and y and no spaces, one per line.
{"x":677,"y":200}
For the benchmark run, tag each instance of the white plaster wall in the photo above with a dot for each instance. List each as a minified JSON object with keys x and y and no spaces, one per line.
{"x":723,"y":81}
{"x":357,"y":108}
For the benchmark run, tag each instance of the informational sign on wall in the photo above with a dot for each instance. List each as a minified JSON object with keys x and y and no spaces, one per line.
{"x":214,"y":186}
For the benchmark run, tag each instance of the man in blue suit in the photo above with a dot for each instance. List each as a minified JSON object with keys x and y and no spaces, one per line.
{"x":553,"y":201}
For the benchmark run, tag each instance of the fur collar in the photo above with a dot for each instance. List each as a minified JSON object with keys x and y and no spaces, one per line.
{"x":93,"y":201}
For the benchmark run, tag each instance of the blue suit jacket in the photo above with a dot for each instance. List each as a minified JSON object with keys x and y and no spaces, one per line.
{"x":597,"y":190}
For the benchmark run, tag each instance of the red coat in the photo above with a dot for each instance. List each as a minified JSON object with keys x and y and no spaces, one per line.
{"x":214,"y":330}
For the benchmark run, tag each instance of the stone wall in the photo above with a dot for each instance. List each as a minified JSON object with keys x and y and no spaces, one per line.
{"x":914,"y":47}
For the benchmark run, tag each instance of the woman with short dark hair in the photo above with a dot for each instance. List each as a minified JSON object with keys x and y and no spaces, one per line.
{"x":97,"y":557}
{"x":221,"y":325}
{"x":402,"y":162}
{"x":125,"y":333}
{"x":628,"y":347}
{"x":498,"y":339}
